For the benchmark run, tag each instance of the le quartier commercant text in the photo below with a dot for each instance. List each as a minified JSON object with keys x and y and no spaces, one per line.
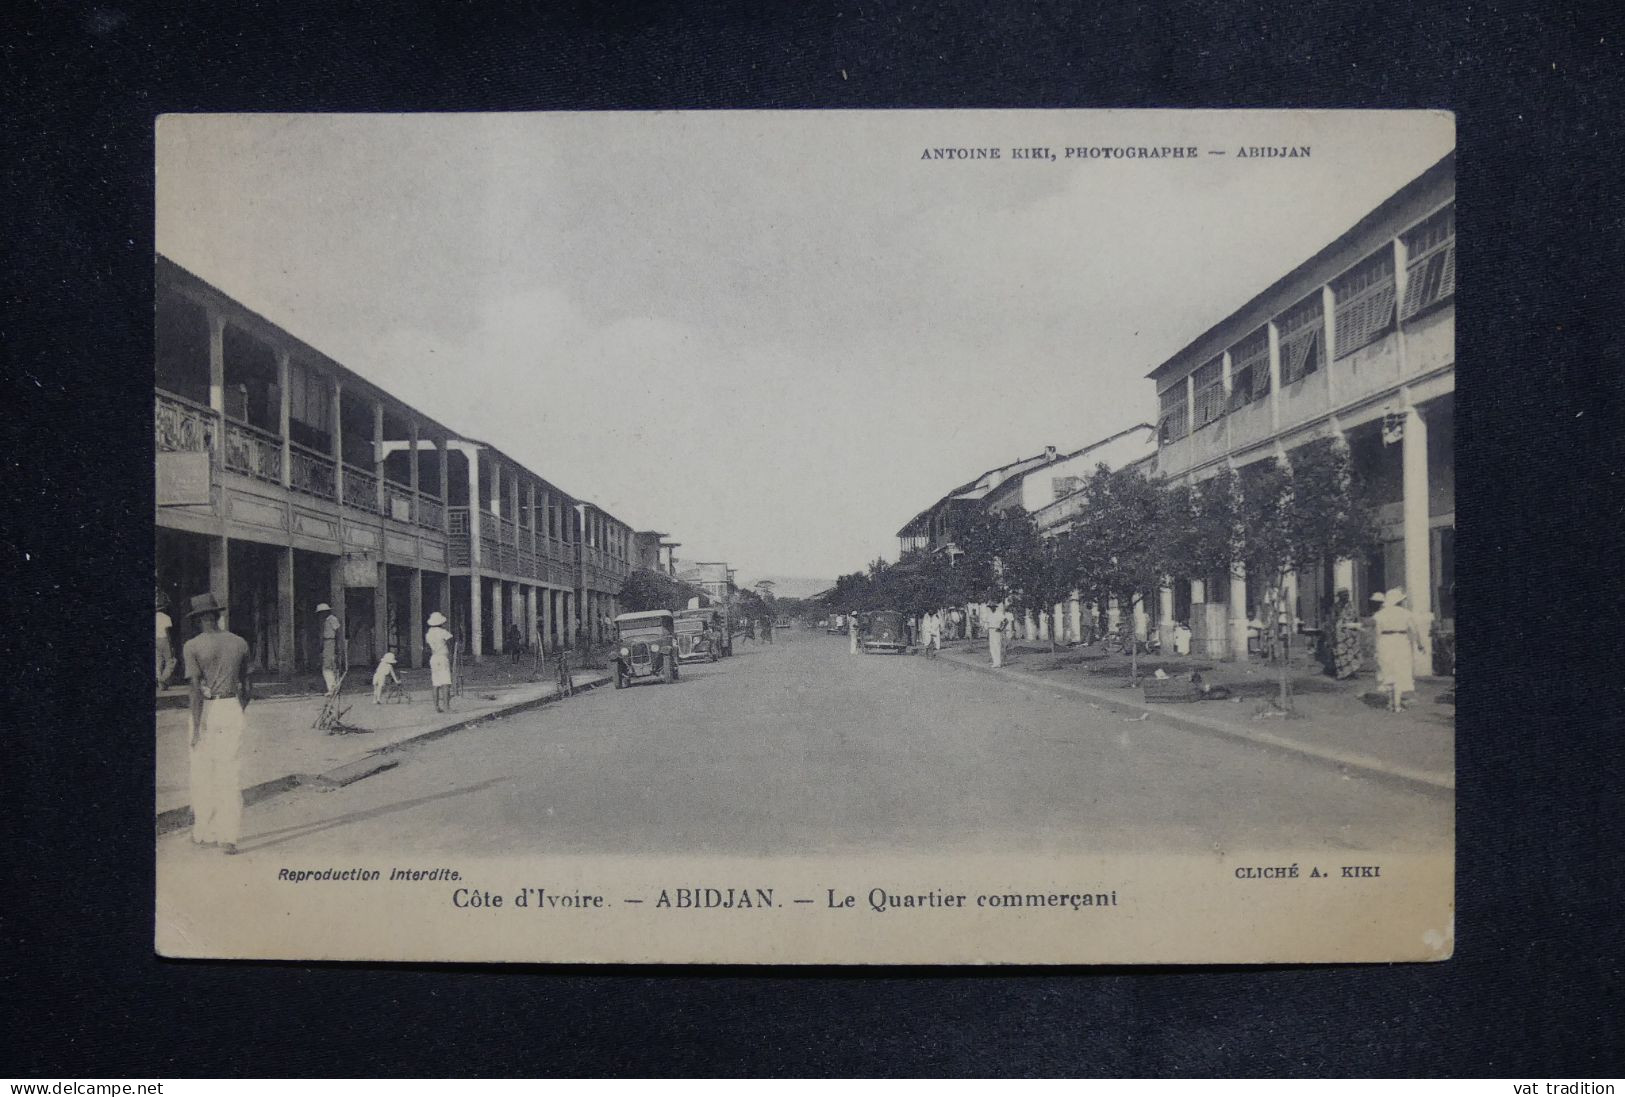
{"x":876,"y":899}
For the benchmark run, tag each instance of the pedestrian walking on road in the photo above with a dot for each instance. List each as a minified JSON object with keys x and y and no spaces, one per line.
{"x":164,"y":642}
{"x":767,"y":631}
{"x":439,"y":639}
{"x":852,"y":632}
{"x":513,"y":640}
{"x":216,"y":669}
{"x":328,"y":623}
{"x":1397,"y":638}
{"x":383,"y":676}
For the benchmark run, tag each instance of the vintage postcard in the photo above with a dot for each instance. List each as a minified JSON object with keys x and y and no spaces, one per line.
{"x":836,"y":537}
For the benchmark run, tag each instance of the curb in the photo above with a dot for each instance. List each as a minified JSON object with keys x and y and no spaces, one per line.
{"x":178,"y":818}
{"x":1376,"y":767}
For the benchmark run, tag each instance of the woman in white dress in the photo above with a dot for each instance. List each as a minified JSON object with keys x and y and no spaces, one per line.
{"x":1397,"y":638}
{"x":438,"y":638}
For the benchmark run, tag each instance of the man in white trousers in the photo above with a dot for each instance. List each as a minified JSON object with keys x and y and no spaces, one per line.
{"x":997,"y":620}
{"x":216,"y":667}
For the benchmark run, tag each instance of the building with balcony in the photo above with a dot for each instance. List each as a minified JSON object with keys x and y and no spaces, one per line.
{"x":653,"y":551}
{"x":714,"y":579}
{"x":513,"y":552}
{"x":603,"y":561}
{"x":1051,"y":489}
{"x":1356,"y":344}
{"x":933,"y":528}
{"x":284,"y":480}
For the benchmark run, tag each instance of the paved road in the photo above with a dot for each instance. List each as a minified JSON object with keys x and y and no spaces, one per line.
{"x":799,"y":747}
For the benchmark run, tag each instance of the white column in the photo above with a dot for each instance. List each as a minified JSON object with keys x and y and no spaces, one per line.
{"x":338,"y":442}
{"x":1238,"y":611}
{"x":1075,"y":611}
{"x":378,"y":463}
{"x":217,"y":362}
{"x":284,"y":422}
{"x":474,"y":509}
{"x":220,"y":575}
{"x":1165,"y":619}
{"x":1198,"y":592}
{"x":412,"y":432}
{"x":499,"y":591}
{"x":442,"y":448}
{"x":1328,"y":316}
{"x":476,"y":620}
{"x":1114,"y":614}
{"x":1142,"y":619}
{"x":415,"y":618}
{"x":1275,"y":376}
{"x":1418,"y":562}
{"x":217,"y":393}
{"x":285,"y":610}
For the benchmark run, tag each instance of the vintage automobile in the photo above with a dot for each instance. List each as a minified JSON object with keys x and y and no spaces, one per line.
{"x":699,"y":635}
{"x":884,"y":631}
{"x":645,"y":648}
{"x":836,"y":625}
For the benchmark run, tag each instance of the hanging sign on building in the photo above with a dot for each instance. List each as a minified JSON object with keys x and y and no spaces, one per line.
{"x":360,"y":569}
{"x":183,"y":479}
{"x":1393,"y":427}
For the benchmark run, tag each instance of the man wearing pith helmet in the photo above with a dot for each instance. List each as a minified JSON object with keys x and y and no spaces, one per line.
{"x":328,"y":622}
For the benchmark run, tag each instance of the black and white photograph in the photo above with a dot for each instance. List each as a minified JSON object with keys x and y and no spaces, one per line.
{"x":806,"y":537}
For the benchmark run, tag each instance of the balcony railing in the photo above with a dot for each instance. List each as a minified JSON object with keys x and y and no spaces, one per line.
{"x":181,"y":426}
{"x":399,"y":502}
{"x":488,"y":525}
{"x":253,"y":452}
{"x":360,"y":489}
{"x":312,"y":473}
{"x":432,"y":514}
{"x":458,"y":519}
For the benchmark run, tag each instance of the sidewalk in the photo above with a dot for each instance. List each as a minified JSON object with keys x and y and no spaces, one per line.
{"x":1334,"y":722}
{"x":281,"y":750}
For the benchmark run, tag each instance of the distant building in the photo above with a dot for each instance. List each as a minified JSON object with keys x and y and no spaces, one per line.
{"x":1052,"y":490}
{"x":934,"y":527}
{"x":1049,"y":487}
{"x":714,"y":580}
{"x":653,"y":552}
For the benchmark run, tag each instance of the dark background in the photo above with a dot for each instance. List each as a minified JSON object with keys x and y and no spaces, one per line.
{"x":1534,"y":988}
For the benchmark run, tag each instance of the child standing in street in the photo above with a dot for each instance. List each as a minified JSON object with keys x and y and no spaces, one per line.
{"x":383,"y":676}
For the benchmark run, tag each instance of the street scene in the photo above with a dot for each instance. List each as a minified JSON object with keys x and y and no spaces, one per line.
{"x":799,"y":745}
{"x":757,"y":509}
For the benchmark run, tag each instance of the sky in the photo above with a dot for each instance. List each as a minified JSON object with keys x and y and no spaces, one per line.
{"x":775,"y":336}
